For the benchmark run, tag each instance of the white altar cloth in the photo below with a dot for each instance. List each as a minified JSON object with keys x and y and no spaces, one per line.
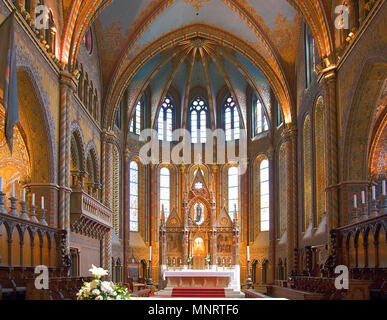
{"x":233,"y":274}
{"x":199,"y":273}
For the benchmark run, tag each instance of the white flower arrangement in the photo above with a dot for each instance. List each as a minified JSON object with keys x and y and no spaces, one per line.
{"x":102,"y":290}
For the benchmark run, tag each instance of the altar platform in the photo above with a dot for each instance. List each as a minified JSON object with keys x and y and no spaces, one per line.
{"x":226,"y":278}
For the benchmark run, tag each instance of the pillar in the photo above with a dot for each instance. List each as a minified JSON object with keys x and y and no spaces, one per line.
{"x":329,"y":84}
{"x":290,"y":137}
{"x":67,"y":87}
{"x":107,"y":164}
{"x":273,"y":226}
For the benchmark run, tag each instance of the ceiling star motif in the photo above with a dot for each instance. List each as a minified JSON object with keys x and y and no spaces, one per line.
{"x":197,"y":4}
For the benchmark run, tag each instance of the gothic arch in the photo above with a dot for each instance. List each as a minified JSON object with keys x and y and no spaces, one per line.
{"x":361,"y":111}
{"x":78,"y":146}
{"x":122,"y":79}
{"x":91,"y":152}
{"x":37,"y":125}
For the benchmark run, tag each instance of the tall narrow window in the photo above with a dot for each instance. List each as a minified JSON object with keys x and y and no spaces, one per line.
{"x":233,"y":191}
{"x":165,"y":191}
{"x":280,"y":119}
{"x":310,"y":54}
{"x":136,"y":121}
{"x":260,"y":119}
{"x":198,"y":114}
{"x":118,"y":116}
{"x":307,"y":151}
{"x":320,"y":161}
{"x":133,"y":197}
{"x":165,"y":120}
{"x":264,"y":189}
{"x":231,"y":120}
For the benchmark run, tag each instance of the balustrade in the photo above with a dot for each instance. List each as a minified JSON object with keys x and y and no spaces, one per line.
{"x":29,"y":10}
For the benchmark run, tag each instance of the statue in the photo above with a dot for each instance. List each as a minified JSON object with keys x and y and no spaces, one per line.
{"x":198,"y":214}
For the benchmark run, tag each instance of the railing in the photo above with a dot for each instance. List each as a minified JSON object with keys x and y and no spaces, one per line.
{"x":36,"y":243}
{"x":28,"y":11}
{"x":83,"y":205}
{"x":249,"y":293}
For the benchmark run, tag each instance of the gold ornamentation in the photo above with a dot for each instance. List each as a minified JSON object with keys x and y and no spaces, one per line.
{"x":197,"y":4}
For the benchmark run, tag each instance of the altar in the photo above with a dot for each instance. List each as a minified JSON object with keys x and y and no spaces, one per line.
{"x":226,"y":278}
{"x":199,"y":246}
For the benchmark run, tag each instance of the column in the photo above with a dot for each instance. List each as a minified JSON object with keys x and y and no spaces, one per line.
{"x":273,"y":226}
{"x":329,"y":83}
{"x":107,"y":263}
{"x":182,"y":181}
{"x":107,"y":145}
{"x":290,"y":136}
{"x":67,"y":87}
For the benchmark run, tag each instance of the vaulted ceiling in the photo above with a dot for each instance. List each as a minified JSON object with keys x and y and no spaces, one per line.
{"x":131,"y":33}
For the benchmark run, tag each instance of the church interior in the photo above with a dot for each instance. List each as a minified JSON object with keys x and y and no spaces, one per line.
{"x":289,"y":189}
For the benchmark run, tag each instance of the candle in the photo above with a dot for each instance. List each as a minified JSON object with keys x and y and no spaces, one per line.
{"x":42,"y":202}
{"x":363,"y":197}
{"x":384,"y":187}
{"x":373,"y":193}
{"x":150,"y":253}
{"x":33,"y":199}
{"x":355,"y":201}
{"x":13,"y":190}
{"x":24,"y":195}
{"x":1,"y":184}
{"x":248,"y":253}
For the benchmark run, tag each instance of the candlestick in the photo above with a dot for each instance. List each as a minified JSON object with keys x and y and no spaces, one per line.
{"x":248,"y":253}
{"x":24,"y":214}
{"x":363,"y":197}
{"x":33,"y":210}
{"x":13,"y":211}
{"x":355,"y":201}
{"x":43,"y":203}
{"x":384,"y":187}
{"x":373,"y":193}
{"x":150,"y":253}
{"x":2,"y":208}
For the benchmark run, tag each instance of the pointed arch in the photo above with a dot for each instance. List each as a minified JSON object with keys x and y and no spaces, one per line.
{"x":78,"y":155}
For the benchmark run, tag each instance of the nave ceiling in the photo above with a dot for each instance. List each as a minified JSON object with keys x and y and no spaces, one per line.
{"x":129,"y":32}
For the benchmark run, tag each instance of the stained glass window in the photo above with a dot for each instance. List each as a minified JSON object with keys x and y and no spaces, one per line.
{"x":133,"y":196}
{"x":260,"y":119}
{"x":136,"y":121}
{"x":165,"y":191}
{"x":233,"y":191}
{"x":231,"y":120}
{"x":264,"y":195}
{"x":280,"y":119}
{"x":118,"y":116}
{"x":310,"y":56}
{"x":198,"y":113}
{"x":165,"y":120}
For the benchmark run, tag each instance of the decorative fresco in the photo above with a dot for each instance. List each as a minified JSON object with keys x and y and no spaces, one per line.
{"x":138,"y":23}
{"x":15,"y":168}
